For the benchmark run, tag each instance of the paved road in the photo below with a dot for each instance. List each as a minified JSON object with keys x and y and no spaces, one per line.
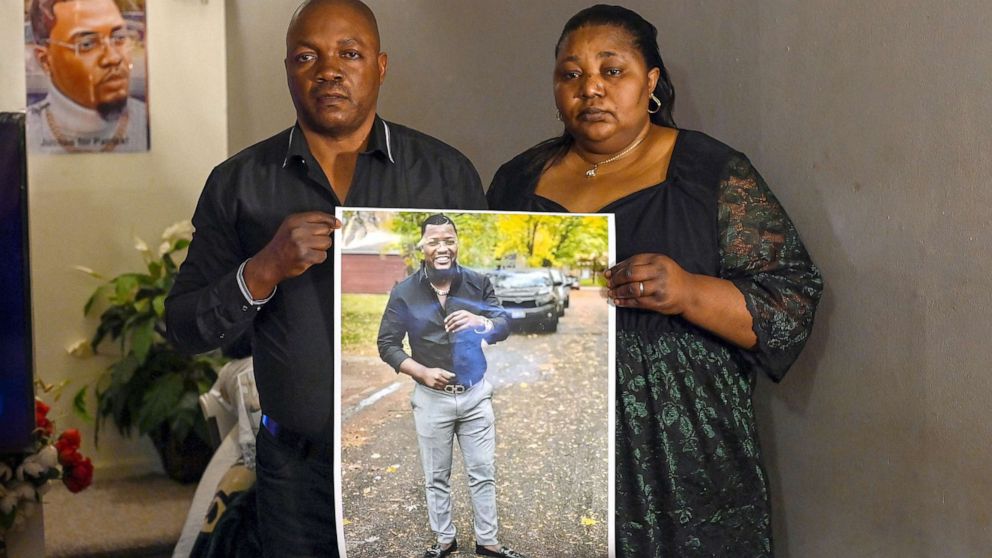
{"x":551,"y":455}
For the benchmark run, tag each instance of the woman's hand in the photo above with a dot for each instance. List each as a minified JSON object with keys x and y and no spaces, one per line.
{"x":658,"y":283}
{"x":652,"y":282}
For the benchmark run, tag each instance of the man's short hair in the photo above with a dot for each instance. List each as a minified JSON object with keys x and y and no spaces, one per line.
{"x":437,"y":219}
{"x":42,"y":17}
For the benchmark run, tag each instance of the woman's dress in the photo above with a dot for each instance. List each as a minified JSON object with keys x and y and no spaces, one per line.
{"x":688,"y":465}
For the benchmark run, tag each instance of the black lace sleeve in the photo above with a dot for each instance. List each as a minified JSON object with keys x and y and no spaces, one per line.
{"x":762,"y":254}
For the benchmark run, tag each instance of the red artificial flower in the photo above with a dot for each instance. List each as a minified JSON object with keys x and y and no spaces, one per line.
{"x":69,"y":440}
{"x":70,"y":458}
{"x":77,"y":477}
{"x":41,"y":417}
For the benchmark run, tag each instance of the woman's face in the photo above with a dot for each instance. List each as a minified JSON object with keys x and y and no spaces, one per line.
{"x":602,"y":86}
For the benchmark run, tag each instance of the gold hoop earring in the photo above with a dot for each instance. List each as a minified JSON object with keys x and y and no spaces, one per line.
{"x":657,"y":102}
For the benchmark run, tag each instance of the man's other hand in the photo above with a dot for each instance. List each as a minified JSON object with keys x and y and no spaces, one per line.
{"x":435,"y":378}
{"x":302,"y":240}
{"x":461,"y":320}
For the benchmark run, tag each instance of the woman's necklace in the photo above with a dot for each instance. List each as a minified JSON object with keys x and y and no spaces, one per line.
{"x":591,"y":173}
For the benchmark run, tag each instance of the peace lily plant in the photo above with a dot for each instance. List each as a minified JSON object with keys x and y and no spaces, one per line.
{"x":150,"y":385}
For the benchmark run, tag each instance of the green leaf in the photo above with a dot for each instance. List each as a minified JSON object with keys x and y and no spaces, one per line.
{"x":158,"y":303}
{"x":79,"y":405}
{"x":155,"y":269}
{"x":142,"y":305}
{"x":125,"y":287}
{"x":98,"y":293}
{"x":160,"y":402}
{"x":122,"y":371}
{"x":180,"y":244}
{"x":141,"y":339}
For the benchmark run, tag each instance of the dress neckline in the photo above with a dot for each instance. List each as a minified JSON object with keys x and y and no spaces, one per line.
{"x":606,"y":208}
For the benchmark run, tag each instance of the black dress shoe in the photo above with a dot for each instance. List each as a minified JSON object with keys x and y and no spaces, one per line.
{"x":503,"y":552}
{"x":436,"y":551}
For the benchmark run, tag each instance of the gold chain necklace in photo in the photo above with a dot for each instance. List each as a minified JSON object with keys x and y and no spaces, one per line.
{"x":70,"y":145}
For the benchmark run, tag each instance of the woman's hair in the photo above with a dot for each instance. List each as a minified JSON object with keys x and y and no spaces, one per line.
{"x":645,"y":37}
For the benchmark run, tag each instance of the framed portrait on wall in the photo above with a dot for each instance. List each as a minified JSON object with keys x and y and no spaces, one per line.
{"x":474,"y":382}
{"x":86,"y":74}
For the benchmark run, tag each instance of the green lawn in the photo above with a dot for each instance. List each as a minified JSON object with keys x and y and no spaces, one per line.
{"x":360,"y":317}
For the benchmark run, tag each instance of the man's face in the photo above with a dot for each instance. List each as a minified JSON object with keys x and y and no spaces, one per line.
{"x":95,"y":77}
{"x":334,"y":68}
{"x":440,"y":246}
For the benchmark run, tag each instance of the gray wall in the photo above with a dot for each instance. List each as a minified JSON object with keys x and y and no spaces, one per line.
{"x":871,"y":123}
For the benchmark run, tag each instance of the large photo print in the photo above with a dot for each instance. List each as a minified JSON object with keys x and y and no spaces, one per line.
{"x":474,"y":384}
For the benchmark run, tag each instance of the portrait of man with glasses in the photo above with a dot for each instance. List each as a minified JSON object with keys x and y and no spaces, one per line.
{"x":85,"y":49}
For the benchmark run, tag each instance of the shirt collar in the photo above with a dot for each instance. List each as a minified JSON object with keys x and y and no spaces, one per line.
{"x":454,"y":282}
{"x":380,"y":141}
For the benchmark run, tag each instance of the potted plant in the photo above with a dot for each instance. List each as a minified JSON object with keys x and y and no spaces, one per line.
{"x":151,"y":386}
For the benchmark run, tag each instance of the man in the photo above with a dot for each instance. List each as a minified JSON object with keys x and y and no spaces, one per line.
{"x":448,"y":311}
{"x":257,"y":261}
{"x":84,"y":46}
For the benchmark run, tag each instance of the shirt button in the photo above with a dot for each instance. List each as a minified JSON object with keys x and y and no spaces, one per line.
{"x":221,"y":335}
{"x":244,"y":308}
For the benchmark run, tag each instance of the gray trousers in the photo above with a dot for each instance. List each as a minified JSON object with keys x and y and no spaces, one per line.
{"x":439,"y":417}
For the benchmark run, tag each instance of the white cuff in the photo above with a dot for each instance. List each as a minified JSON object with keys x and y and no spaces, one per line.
{"x":244,"y":288}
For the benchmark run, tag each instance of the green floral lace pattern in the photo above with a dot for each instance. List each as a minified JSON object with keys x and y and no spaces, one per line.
{"x":689,"y":475}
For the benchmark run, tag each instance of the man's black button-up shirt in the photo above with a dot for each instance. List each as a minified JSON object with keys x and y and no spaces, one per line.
{"x":413,"y":310}
{"x":242,"y":205}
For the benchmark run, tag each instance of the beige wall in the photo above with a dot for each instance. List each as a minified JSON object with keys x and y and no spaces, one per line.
{"x":873,"y":126}
{"x":85,"y":208}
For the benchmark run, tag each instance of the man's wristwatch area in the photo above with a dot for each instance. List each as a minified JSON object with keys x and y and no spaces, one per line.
{"x":244,"y":287}
{"x":486,"y":327}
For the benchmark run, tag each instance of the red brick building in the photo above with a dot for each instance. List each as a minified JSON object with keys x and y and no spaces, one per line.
{"x":371,"y":272}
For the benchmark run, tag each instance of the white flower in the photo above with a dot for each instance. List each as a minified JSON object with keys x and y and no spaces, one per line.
{"x":30,"y":468}
{"x":80,"y":349}
{"x":141,"y":246}
{"x":87,"y":271}
{"x":48,"y":456}
{"x":16,"y":492}
{"x":164,"y":248}
{"x":36,"y":465}
{"x":6,"y":473}
{"x":178,"y":231}
{"x":23,"y":489}
{"x":8,"y":502}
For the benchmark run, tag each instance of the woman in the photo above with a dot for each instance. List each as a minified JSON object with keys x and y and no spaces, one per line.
{"x":712,"y":287}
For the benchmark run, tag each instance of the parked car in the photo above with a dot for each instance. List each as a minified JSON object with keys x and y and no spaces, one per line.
{"x":572,"y":281}
{"x":561,"y":289}
{"x":528,"y":297}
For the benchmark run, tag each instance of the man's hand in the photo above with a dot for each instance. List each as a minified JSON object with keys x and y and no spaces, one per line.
{"x":435,"y":378}
{"x":460,"y":320}
{"x":302,"y":240}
